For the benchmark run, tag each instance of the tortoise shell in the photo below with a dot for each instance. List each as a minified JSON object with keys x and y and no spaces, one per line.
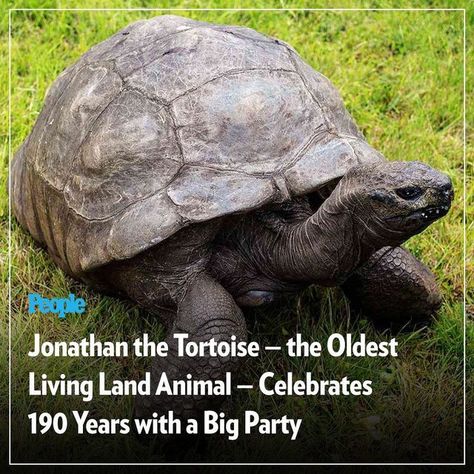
{"x":170,"y":122}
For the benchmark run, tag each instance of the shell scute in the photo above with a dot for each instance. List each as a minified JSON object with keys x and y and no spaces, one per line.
{"x":182,"y":62}
{"x":63,"y":129}
{"x":202,"y":193}
{"x":252,"y":122}
{"x":130,"y":154}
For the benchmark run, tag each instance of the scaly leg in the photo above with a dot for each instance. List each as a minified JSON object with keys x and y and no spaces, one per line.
{"x":207,"y":310}
{"x":394,"y":286}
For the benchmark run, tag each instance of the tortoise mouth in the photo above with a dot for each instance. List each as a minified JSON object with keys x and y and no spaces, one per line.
{"x":431,"y":213}
{"x":424,"y":215}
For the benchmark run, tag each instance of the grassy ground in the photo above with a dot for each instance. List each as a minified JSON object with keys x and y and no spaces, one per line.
{"x":400,"y":74}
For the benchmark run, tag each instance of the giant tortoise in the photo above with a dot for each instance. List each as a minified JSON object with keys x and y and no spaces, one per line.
{"x":197,"y":168}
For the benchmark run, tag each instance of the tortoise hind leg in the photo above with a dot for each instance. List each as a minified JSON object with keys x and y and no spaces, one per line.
{"x":206,"y":311}
{"x":393,"y":286}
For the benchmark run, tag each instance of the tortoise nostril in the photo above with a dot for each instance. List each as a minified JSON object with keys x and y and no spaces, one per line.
{"x":447,"y":190}
{"x":449,"y":194}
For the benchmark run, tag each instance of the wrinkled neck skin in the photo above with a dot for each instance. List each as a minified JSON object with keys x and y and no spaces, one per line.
{"x":328,"y":246}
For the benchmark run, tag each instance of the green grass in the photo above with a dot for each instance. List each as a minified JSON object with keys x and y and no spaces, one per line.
{"x":400,"y":74}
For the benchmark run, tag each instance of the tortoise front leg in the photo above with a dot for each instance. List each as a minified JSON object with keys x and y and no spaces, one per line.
{"x":394,"y":286}
{"x":206,"y":311}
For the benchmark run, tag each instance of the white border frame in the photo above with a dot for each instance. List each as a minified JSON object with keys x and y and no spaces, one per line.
{"x":463,"y":463}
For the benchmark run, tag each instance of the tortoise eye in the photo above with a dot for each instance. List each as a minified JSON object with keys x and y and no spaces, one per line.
{"x":409,"y":192}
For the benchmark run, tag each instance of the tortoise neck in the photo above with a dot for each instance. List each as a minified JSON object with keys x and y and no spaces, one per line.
{"x":328,"y":246}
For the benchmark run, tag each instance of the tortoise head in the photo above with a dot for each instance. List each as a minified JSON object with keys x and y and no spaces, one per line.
{"x":402,"y":198}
